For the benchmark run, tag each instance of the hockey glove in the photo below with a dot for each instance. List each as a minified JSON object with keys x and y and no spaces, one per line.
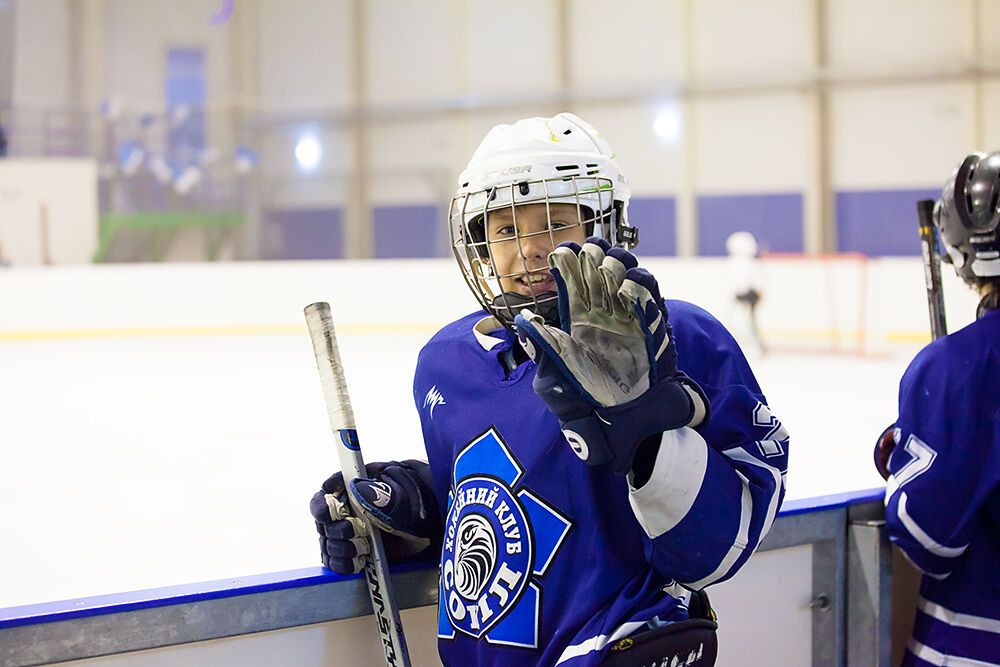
{"x":884,"y":447}
{"x":609,"y":372}
{"x":396,"y":497}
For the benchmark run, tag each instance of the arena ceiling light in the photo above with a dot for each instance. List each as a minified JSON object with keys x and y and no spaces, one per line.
{"x":308,"y":152}
{"x":667,"y":124}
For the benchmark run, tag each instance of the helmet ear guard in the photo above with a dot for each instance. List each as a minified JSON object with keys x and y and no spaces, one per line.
{"x":625,"y":236}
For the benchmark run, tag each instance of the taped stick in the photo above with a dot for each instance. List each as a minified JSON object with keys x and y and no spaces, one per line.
{"x":932,"y":268}
{"x":352,"y":465}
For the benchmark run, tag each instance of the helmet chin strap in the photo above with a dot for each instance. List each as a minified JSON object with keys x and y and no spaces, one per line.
{"x":509,"y":304}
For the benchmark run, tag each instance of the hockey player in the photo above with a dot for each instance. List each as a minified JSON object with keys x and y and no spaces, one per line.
{"x":941,"y":457}
{"x":597,"y":455}
{"x":744,"y":271}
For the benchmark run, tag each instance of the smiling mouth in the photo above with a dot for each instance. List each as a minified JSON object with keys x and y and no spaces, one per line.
{"x":536,"y":283}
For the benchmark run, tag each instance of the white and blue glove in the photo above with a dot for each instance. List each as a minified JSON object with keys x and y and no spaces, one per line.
{"x":609,"y":372}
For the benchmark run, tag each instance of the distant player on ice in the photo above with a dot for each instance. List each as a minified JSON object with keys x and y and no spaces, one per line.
{"x":744,"y":270}
{"x":941,"y":457}
{"x":597,"y":455}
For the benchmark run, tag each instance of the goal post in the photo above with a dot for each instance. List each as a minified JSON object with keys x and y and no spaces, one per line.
{"x":817,"y":303}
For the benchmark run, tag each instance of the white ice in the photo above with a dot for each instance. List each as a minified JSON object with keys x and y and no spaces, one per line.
{"x":139,"y":462}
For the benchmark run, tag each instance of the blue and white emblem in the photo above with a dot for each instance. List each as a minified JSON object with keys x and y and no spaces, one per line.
{"x":499,"y":539}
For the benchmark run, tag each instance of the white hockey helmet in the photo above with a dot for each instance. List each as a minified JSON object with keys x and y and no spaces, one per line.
{"x":741,"y":244}
{"x":558,"y":160}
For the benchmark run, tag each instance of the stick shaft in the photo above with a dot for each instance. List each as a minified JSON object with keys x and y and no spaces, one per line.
{"x":932,"y":268}
{"x":338,"y":405}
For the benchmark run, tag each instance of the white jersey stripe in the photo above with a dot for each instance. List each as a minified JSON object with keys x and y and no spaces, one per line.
{"x":678,"y":474}
{"x":956,"y":619}
{"x":932,"y":575}
{"x":598,"y":642}
{"x":925,"y":540}
{"x":938,"y":658}
{"x":740,"y":454}
{"x":742,"y":537}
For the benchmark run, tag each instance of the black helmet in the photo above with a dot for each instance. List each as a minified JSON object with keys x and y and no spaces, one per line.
{"x":968,"y":218}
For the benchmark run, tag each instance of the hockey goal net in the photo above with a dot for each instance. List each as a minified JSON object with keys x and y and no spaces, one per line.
{"x":816,"y":303}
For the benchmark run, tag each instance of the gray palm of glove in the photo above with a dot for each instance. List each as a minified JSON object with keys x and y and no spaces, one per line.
{"x":609,"y":372}
{"x":604,"y":345}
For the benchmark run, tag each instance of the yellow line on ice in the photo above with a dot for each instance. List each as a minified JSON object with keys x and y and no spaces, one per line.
{"x":909,"y":337}
{"x":845,"y":336}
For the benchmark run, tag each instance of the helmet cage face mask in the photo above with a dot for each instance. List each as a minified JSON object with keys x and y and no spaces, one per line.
{"x":596,"y":213}
{"x":968,"y":218}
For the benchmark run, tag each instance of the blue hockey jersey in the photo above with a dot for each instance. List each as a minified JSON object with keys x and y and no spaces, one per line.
{"x":547,"y":560}
{"x":943,"y":494}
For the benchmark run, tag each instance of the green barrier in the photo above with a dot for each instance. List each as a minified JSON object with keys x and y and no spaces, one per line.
{"x":164,"y":226}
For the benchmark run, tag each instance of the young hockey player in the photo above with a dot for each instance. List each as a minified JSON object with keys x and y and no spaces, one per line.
{"x":942,"y":455}
{"x":586,"y":481}
{"x":744,"y":271}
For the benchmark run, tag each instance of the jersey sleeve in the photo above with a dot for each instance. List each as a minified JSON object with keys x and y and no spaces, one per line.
{"x":437,"y":453}
{"x":944,"y":466}
{"x":715,"y":490}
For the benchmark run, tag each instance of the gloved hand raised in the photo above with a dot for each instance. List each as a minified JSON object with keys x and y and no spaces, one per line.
{"x":398,"y":497}
{"x":609,"y":372}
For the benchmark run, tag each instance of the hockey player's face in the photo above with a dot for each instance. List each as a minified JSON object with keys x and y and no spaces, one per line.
{"x":520,"y":242}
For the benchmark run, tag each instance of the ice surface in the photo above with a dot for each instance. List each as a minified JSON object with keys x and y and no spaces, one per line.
{"x":138,"y":462}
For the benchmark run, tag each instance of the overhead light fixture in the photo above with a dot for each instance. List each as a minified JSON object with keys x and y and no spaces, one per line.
{"x":667,"y":124}
{"x":308,"y":152}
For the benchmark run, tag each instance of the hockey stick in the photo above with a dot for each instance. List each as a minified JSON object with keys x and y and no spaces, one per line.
{"x":338,"y":406}
{"x":932,"y":268}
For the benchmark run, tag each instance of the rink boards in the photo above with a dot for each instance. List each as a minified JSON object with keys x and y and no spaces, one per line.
{"x":164,"y":425}
{"x":817,"y":592}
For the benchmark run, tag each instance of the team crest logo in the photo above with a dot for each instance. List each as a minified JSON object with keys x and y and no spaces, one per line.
{"x":499,"y":539}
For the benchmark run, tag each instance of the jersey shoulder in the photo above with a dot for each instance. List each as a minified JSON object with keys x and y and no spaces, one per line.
{"x":462,"y":342}
{"x":705,"y":349}
{"x":955,"y":373}
{"x":694,"y":320}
